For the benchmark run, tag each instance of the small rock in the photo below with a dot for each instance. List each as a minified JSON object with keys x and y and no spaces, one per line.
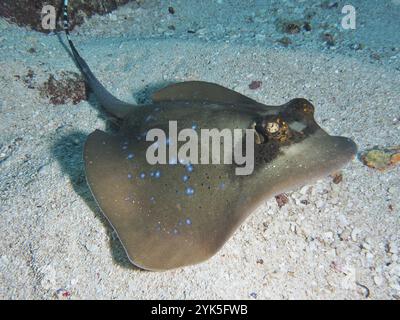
{"x":329,"y":4}
{"x":345,"y":235}
{"x":337,"y":177}
{"x":331,"y":253}
{"x":281,"y":200}
{"x":291,"y":27}
{"x":392,"y":190}
{"x":202,"y":31}
{"x":285,"y":41}
{"x":357,"y":46}
{"x":68,"y":86}
{"x":307,"y":26}
{"x":304,"y":190}
{"x":255,"y":85}
{"x":394,"y":285}
{"x":375,"y":56}
{"x":43,"y":169}
{"x":63,"y":294}
{"x":378,"y":280}
{"x":366,"y":246}
{"x":392,"y":248}
{"x":4,"y":260}
{"x":329,"y":39}
{"x":354,"y":234}
{"x":328,"y":236}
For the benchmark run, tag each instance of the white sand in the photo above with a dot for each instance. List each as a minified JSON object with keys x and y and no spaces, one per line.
{"x":53,"y":238}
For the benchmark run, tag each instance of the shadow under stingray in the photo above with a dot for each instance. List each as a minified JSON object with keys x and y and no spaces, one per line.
{"x":68,"y":150}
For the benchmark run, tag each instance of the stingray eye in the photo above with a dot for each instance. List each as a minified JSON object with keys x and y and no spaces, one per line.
{"x":276,"y":129}
{"x":272,"y":127}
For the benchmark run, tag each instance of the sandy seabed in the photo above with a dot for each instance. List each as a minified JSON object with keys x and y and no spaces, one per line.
{"x":330,"y":241}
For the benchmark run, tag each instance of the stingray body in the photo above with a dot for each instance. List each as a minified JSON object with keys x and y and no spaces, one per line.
{"x":173,"y":215}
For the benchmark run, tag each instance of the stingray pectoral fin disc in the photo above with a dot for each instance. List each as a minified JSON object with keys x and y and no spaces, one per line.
{"x":158,"y":228}
{"x":200,"y":91}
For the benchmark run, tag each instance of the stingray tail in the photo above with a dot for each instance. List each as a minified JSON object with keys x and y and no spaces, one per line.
{"x":110,"y":103}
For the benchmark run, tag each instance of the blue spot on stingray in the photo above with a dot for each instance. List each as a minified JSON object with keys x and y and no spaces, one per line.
{"x":124,"y":147}
{"x":157,"y":174}
{"x":130,"y":156}
{"x":175,"y":231}
{"x":194,"y":126}
{"x":142,"y":175}
{"x":188,"y":221}
{"x":189,"y":168}
{"x":130,"y":176}
{"x":185,"y":178}
{"x":189,"y":191}
{"x":152,"y":199}
{"x":151,"y":174}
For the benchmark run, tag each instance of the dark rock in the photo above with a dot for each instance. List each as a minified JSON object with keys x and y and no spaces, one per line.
{"x":291,"y":27}
{"x":255,"y":85}
{"x":329,"y":4}
{"x":69,"y":86}
{"x":171,"y":10}
{"x":28,"y":12}
{"x":281,"y":200}
{"x":307,"y":26}
{"x":329,"y":39}
{"x":285,"y":41}
{"x":337,"y":177}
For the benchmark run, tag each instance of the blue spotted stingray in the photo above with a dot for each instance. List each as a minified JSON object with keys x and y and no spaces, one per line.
{"x":178,"y":214}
